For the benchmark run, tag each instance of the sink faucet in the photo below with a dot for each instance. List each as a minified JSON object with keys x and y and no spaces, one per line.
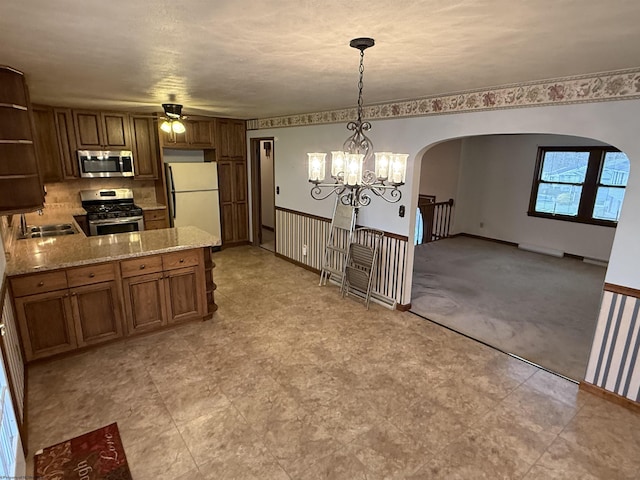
{"x":23,"y":225}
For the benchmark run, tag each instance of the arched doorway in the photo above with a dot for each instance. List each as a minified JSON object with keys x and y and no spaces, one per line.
{"x":510,"y":201}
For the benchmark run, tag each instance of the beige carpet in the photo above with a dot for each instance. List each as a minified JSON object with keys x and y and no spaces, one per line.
{"x":541,"y":308}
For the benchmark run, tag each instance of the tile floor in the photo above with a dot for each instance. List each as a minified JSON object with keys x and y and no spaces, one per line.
{"x":289,"y":381}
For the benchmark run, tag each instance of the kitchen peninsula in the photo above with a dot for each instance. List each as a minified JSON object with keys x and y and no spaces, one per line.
{"x":71,"y":292}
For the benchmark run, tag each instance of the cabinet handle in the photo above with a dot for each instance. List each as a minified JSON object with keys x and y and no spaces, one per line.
{"x":142,"y":267}
{"x":41,"y":284}
{"x":66,"y":295}
{"x":182,"y":260}
{"x":91,"y":275}
{"x":74,"y":294}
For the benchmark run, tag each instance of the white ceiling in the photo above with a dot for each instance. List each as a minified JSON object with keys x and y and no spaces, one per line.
{"x":262,"y":58}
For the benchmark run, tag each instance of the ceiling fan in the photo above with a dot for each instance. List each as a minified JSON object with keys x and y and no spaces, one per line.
{"x":173,"y":118}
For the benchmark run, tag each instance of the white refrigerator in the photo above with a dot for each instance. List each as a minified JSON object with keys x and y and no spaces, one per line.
{"x":193,"y":196}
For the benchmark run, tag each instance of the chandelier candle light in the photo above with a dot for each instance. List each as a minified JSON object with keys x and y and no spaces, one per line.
{"x":352,"y":182}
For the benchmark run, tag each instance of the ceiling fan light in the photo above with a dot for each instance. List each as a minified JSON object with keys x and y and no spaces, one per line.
{"x":165,"y":127}
{"x":177,"y":126}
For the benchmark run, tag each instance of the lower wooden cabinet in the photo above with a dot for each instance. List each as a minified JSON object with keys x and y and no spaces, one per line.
{"x":170,"y":296}
{"x":46,"y":324}
{"x":97,"y":313}
{"x":62,"y":310}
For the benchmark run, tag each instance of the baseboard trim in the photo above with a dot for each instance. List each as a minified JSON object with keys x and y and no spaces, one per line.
{"x":224,"y":246}
{"x":610,"y":396}
{"x":271,"y":229}
{"x":297,"y":263}
{"x":403,"y":307}
{"x":488,"y":239}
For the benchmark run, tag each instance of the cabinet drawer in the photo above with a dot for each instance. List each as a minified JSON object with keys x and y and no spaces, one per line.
{"x":160,"y":214}
{"x":140,"y":266}
{"x":92,"y":274}
{"x":186,"y":258}
{"x":38,"y":283}
{"x":155,"y":224}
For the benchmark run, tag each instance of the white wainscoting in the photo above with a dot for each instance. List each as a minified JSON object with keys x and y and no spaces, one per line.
{"x":296,"y":229}
{"x":614,"y":363}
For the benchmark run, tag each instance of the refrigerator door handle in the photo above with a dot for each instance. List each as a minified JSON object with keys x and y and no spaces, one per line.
{"x":173,"y":191}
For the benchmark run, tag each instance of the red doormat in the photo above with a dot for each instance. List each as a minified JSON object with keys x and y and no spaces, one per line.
{"x":96,"y":455}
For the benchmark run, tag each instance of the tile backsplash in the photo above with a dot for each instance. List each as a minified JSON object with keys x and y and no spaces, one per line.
{"x":66,"y":194}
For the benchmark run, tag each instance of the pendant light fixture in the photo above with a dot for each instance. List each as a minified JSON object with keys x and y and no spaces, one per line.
{"x":172,"y":123}
{"x":352,"y":180}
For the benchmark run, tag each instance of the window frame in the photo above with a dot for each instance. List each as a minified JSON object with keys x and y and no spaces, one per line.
{"x":589,"y":186}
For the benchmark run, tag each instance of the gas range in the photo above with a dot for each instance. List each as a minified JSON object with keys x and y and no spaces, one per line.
{"x":111,"y":211}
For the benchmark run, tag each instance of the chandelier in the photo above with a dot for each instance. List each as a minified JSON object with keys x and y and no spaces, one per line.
{"x":172,"y":123}
{"x":353,"y":183}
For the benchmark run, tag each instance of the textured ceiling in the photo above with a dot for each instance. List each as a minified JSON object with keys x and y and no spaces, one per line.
{"x":261,"y":58}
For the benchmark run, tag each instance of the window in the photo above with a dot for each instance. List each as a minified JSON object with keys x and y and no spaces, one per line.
{"x":578,"y":184}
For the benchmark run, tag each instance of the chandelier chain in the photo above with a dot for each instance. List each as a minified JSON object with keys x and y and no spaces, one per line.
{"x":360,"y":85}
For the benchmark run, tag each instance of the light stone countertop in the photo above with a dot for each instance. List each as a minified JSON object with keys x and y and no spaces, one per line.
{"x":42,"y":254}
{"x":150,"y":206}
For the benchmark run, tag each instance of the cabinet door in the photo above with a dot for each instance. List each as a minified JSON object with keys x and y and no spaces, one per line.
{"x":200,"y":133}
{"x":184,"y":294}
{"x":224,"y":138}
{"x":145,"y":148}
{"x":237,"y":141}
{"x":88,"y":127}
{"x":174,"y":140}
{"x":225,"y":186}
{"x":241,"y":219}
{"x":46,"y":324}
{"x":97,"y":314}
{"x":144,"y":302}
{"x":117,"y":133}
{"x":46,"y":144}
{"x":66,"y":142}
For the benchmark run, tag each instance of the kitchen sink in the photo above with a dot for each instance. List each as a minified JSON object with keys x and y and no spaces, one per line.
{"x":48,"y":231}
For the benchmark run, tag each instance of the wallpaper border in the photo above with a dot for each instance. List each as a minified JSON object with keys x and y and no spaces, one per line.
{"x":597,"y":87}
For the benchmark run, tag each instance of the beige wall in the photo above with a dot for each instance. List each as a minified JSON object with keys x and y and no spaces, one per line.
{"x":440,"y":170}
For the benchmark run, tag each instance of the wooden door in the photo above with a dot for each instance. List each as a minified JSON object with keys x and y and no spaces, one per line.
{"x":117,"y":134}
{"x":88,"y":128}
{"x":200,"y":133}
{"x":183,"y":294}
{"x":46,"y":144}
{"x":144,"y":301}
{"x":46,"y":324}
{"x":96,"y":310}
{"x":145,"y":151}
{"x":66,"y":142}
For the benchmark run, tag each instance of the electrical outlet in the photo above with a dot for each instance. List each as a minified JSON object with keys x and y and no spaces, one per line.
{"x":304,"y":250}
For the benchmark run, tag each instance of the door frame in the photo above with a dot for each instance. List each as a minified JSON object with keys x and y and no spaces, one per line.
{"x":256,"y":191}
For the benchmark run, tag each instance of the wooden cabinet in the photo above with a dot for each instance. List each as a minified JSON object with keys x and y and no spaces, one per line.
{"x":102,"y":130}
{"x":155,"y":219}
{"x":46,"y":144}
{"x":231,"y":138}
{"x":62,"y":310}
{"x":20,"y":184}
{"x":200,"y":132}
{"x":46,"y":324}
{"x":145,"y":148}
{"x":177,"y":293}
{"x":232,"y":184}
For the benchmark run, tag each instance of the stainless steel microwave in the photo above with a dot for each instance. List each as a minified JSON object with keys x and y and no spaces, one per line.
{"x":105,"y":163}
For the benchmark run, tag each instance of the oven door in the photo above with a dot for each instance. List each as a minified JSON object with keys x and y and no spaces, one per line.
{"x":116,"y":225}
{"x":97,"y":164}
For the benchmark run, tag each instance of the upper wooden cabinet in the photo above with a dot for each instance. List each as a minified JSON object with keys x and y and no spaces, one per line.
{"x":20,"y":184}
{"x":99,"y":130}
{"x":231,"y":138}
{"x":55,"y":143}
{"x":200,"y":132}
{"x":145,"y":148}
